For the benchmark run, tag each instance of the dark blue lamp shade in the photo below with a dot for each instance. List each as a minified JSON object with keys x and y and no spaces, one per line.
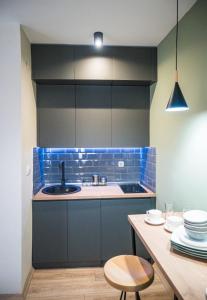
{"x":177,"y":101}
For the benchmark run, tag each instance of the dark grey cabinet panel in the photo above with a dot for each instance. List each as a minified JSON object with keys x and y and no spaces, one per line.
{"x":49,"y":232}
{"x":93,"y":116}
{"x":92,"y":63}
{"x":116,"y":233}
{"x":134,"y":63}
{"x":52,"y":62}
{"x":130,"y":116}
{"x":56,"y":115}
{"x":65,"y":62}
{"x":84,"y":232}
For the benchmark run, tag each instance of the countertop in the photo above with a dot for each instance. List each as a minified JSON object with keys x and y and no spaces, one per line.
{"x":110,"y":191}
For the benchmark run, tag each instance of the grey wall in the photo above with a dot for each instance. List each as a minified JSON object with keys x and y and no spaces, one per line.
{"x":28,"y":141}
{"x":180,"y":137}
{"x":10,"y":231}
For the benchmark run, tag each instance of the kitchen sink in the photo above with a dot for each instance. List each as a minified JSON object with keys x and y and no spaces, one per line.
{"x":132,"y":188}
{"x":61,"y":189}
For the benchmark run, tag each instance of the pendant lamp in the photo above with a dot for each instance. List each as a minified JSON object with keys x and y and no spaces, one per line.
{"x":177,"y":101}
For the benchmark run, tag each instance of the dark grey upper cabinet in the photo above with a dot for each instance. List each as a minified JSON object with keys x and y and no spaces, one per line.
{"x":135,"y":64}
{"x":84,"y":227}
{"x":56,"y":115}
{"x":92,"y":63}
{"x":52,"y":62}
{"x":93,"y":116}
{"x":130,"y":116}
{"x":49,"y":232}
{"x":66,"y":62}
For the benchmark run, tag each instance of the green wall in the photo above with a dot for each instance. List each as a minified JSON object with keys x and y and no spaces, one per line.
{"x":181,"y":137}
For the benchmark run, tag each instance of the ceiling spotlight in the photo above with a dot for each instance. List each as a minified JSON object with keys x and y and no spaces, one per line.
{"x":98,"y":39}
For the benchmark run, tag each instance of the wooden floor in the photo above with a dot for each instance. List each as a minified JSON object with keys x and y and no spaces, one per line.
{"x":84,"y":284}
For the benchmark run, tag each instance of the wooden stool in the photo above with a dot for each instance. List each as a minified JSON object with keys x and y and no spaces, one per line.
{"x":128,"y":273}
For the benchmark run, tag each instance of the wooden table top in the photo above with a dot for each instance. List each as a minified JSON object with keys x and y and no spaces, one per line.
{"x":187,"y":276}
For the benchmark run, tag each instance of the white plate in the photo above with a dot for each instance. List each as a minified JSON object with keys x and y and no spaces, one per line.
{"x":185,"y":248}
{"x":154,"y":222}
{"x":202,"y":256}
{"x":180,"y":237}
{"x":195,"y":216}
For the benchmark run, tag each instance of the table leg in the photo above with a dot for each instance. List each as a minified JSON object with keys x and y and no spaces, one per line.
{"x":133,"y":241}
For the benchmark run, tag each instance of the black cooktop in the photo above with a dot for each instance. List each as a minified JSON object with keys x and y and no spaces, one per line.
{"x":132,"y":188}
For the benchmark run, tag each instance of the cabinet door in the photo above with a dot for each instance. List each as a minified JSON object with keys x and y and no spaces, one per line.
{"x":56,"y":115}
{"x":93,"y":116}
{"x":116,"y":231}
{"x":52,"y":62}
{"x":49,"y":233}
{"x":134,"y":63}
{"x":130,"y":116}
{"x":92,"y":63}
{"x":84,"y":232}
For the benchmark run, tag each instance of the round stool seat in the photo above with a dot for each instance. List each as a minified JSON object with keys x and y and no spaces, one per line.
{"x":128,"y":273}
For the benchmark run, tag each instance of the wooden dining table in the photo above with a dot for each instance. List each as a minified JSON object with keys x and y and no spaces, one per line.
{"x":186,"y":275}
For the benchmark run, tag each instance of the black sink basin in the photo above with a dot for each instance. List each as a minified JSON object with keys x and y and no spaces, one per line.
{"x":61,"y":189}
{"x":132,"y":188}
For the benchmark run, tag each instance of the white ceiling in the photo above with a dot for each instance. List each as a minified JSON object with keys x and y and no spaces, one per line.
{"x":123,"y":22}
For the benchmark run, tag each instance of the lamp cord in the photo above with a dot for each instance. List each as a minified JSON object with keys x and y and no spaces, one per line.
{"x":176,"y":56}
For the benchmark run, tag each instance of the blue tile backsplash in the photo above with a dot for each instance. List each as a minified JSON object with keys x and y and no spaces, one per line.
{"x":38,"y":180}
{"x":83,"y":163}
{"x":148,"y":167}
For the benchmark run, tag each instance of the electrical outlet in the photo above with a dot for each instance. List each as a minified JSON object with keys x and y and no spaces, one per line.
{"x":121,"y":164}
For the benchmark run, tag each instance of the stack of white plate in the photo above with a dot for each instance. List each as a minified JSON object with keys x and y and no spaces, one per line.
{"x":181,"y":242}
{"x":191,"y":238}
{"x":195,"y":223}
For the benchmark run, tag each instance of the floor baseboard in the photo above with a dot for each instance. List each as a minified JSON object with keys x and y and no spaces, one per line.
{"x":27,"y":284}
{"x":25,"y":290}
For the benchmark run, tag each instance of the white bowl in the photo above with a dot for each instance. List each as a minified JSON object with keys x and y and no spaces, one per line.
{"x":195,"y":216}
{"x":196,"y":235}
{"x":195,"y":228}
{"x":198,"y":225}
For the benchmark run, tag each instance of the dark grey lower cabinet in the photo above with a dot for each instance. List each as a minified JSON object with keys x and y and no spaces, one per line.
{"x":83,"y":233}
{"x":115,"y":228}
{"x":49,"y":233}
{"x":84,"y":225}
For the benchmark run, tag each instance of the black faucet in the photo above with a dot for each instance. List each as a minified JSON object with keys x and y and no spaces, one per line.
{"x":62,"y":167}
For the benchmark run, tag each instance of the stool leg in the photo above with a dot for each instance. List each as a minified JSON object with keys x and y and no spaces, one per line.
{"x":137,"y":296}
{"x":124,"y":295}
{"x":121,"y":295}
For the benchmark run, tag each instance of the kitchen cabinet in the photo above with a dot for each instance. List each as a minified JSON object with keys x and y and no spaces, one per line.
{"x":49,"y":233}
{"x":80,"y":233}
{"x":130,"y":116}
{"x":58,"y":63}
{"x":135,"y":64}
{"x":56,"y":115}
{"x":92,"y":63}
{"x":115,"y":229}
{"x":52,"y":62}
{"x":93,"y":116}
{"x":84,"y":233}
